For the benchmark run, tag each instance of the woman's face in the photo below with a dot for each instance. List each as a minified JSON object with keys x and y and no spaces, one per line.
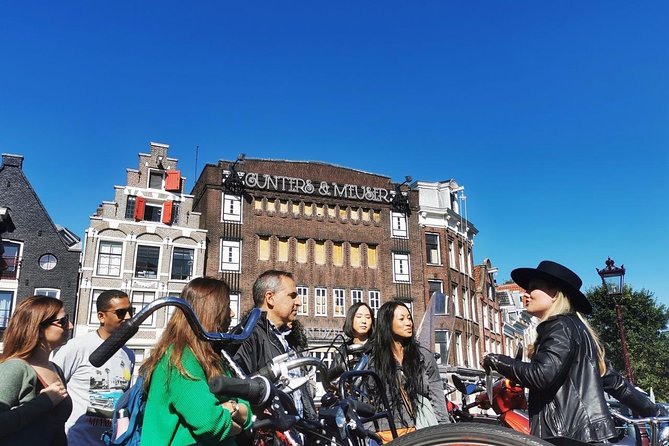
{"x":57,"y":332}
{"x":402,"y":322}
{"x":539,"y":297}
{"x":227,"y":318}
{"x":362,"y":323}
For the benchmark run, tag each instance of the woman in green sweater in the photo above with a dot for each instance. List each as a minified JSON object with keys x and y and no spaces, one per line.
{"x":180,"y":409}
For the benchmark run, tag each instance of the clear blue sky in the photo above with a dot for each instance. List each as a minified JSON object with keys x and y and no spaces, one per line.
{"x":553,"y":115}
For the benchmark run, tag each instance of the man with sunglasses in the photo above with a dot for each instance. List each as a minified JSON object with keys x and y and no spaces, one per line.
{"x":94,"y":391}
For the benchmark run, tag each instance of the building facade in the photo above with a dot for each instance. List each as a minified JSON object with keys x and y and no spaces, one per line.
{"x":147,"y":242}
{"x":39,"y":257}
{"x":346,"y":235}
{"x":519,"y":325}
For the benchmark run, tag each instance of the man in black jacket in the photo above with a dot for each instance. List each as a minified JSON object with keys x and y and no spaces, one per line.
{"x":275,"y":293}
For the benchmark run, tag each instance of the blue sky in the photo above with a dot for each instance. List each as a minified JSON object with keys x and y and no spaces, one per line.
{"x":553,"y":115}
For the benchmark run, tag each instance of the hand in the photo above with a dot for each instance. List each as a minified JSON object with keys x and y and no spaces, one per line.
{"x":56,"y":392}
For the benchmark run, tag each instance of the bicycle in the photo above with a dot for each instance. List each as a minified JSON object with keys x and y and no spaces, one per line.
{"x":342,"y":418}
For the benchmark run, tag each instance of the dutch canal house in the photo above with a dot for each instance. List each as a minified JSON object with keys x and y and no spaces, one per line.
{"x":147,"y":241}
{"x":346,"y":235}
{"x":39,"y":257}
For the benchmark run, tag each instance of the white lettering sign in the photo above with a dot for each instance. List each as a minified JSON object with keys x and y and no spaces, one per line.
{"x":325,"y":189}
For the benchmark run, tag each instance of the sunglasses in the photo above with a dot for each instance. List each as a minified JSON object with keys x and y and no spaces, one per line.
{"x":62,"y":322}
{"x":121,"y":312}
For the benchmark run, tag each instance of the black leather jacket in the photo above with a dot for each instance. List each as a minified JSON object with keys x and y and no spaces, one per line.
{"x":259,"y":349}
{"x":566,"y":391}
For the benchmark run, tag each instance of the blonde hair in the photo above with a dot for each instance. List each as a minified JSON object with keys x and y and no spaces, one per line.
{"x":562,"y":305}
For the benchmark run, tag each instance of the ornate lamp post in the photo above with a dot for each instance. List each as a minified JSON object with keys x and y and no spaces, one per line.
{"x":613,"y":279}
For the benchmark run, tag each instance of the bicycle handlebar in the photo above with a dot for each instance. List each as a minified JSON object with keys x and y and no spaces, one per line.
{"x":128,"y":329}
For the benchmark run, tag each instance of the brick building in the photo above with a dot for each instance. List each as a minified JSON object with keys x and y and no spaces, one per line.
{"x":40,"y":257}
{"x":347,"y":236}
{"x":146,"y":242}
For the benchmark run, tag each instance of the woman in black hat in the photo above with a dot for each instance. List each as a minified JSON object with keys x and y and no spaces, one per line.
{"x":568,"y":373}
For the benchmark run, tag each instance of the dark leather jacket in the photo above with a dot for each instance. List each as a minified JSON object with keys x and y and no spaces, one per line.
{"x":259,"y":349}
{"x":566,"y":391}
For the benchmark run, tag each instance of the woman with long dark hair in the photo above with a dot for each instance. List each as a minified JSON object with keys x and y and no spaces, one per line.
{"x":408,"y":370}
{"x":34,"y":403}
{"x":180,"y":409}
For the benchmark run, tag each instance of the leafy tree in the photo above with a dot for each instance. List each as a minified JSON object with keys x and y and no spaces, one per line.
{"x":645,"y":322}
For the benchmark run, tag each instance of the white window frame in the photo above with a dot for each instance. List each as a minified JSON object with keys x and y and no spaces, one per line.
{"x":320,"y":301}
{"x":50,"y":292}
{"x":93,"y":308}
{"x":430,"y":260}
{"x":356,"y":296}
{"x":338,"y":302}
{"x":192,"y":266}
{"x":375,"y":300}
{"x":231,"y":208}
{"x":438,"y":348}
{"x":150,"y":321}
{"x":7,"y":306}
{"x":398,"y":225}
{"x":234,"y":306}
{"x":231,"y":251}
{"x":455,"y":291}
{"x":458,"y":349}
{"x":99,"y":254}
{"x":303,"y":295}
{"x":160,"y":255}
{"x":401,"y":268}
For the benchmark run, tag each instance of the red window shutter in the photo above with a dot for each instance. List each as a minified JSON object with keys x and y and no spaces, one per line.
{"x":167,"y":212}
{"x":139,"y":208}
{"x":173,"y":180}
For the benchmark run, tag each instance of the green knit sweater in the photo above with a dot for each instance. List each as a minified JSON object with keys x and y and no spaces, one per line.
{"x":182,"y":411}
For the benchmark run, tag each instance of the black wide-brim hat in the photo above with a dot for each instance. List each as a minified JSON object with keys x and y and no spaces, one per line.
{"x":561,"y":276}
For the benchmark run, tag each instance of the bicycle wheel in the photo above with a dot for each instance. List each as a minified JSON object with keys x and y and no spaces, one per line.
{"x":467,"y":434}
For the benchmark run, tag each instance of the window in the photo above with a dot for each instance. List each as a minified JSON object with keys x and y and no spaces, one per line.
{"x":321,"y":302}
{"x":48,"y":292}
{"x":182,"y":264}
{"x":339,"y":302}
{"x":372,"y":258}
{"x":356,"y":296}
{"x":458,"y":349}
{"x":451,"y":254}
{"x":436,"y":293}
{"x":461,"y":257}
{"x":399,"y":224}
{"x":230,"y":260}
{"x":355,"y":255}
{"x":12,"y":259}
{"x":303,"y":294}
{"x":432,"y":248}
{"x":234,"y":306}
{"x":263,"y":248}
{"x":130,"y":207}
{"x":465,"y":303}
{"x":485,"y":316}
{"x":474,"y":312}
{"x":456,"y":298}
{"x":442,"y":339}
{"x":146,"y":265}
{"x":6,"y":299}
{"x":319,"y":252}
{"x":470,"y":352}
{"x":301,"y":251}
{"x":257,"y":204}
{"x":232,"y":208}
{"x":93,"y":309}
{"x":155,"y":180}
{"x":152,"y":212}
{"x":401,"y":267}
{"x":375,"y":301}
{"x":141,"y":299}
{"x":282,"y":251}
{"x":175,"y":212}
{"x":48,"y":262}
{"x":109,"y":258}
{"x":337,"y":253}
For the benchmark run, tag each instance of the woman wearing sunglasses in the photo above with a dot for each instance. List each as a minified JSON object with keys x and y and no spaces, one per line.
{"x":34,"y":403}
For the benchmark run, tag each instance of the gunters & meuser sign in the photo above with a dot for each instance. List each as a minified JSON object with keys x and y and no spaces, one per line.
{"x":281,"y":183}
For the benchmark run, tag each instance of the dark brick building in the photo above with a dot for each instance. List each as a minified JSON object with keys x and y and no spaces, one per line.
{"x":347,"y":236}
{"x":41,"y":257}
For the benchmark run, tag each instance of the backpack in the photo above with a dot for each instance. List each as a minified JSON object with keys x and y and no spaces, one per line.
{"x":133,"y":403}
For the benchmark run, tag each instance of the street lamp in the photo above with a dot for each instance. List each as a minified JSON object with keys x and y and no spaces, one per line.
{"x":613,"y":279}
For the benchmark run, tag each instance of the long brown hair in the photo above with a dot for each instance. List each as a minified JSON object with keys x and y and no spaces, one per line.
{"x":23,"y":331}
{"x":210,"y":299}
